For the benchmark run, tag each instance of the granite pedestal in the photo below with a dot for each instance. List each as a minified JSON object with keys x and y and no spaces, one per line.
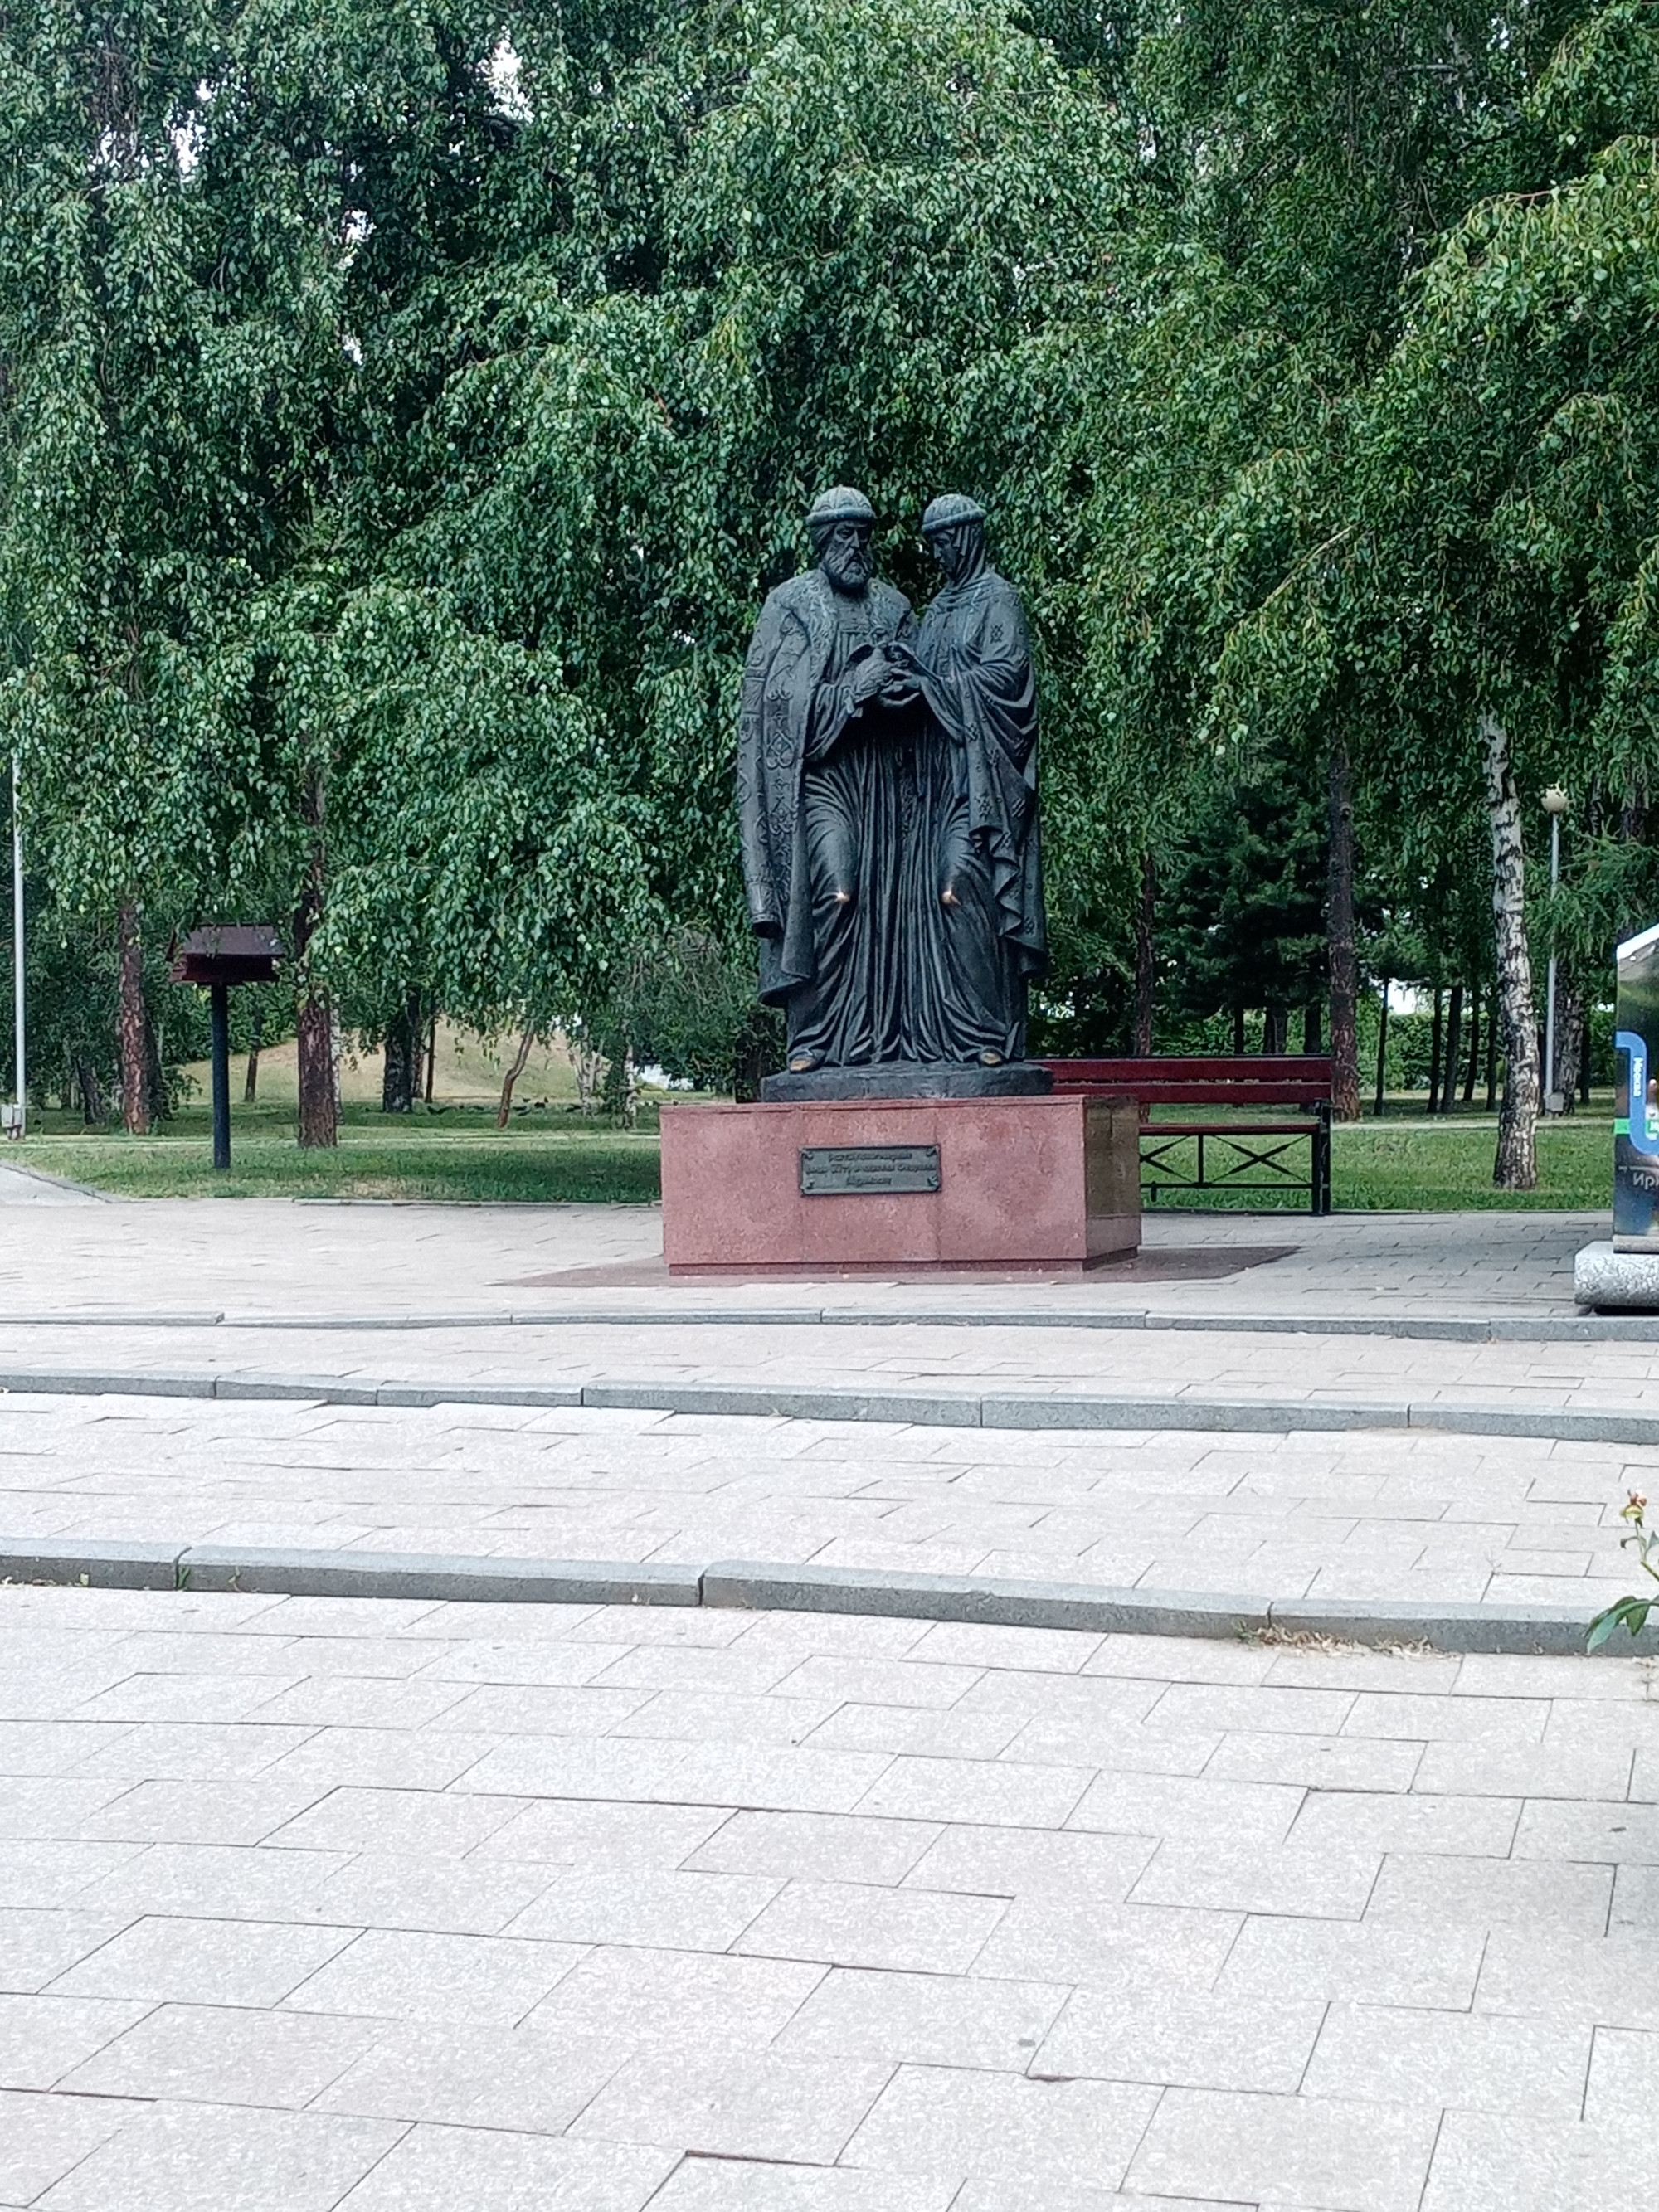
{"x":864,"y":1186}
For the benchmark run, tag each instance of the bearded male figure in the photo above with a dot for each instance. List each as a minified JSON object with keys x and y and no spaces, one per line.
{"x":974,"y":904}
{"x":826,"y":795}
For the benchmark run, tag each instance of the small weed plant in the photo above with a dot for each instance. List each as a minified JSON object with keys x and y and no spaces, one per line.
{"x":1630,"y":1612}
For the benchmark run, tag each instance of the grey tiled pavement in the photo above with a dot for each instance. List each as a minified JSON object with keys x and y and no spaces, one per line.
{"x":623,"y":1908}
{"x":1367,"y":1514}
{"x":397,"y":1906}
{"x":277,"y":1257}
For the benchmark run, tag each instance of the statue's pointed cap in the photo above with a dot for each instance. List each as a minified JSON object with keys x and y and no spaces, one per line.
{"x":842,"y":504}
{"x":952,"y":508}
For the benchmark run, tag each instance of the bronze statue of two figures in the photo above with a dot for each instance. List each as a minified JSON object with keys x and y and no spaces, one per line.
{"x":887,"y":792}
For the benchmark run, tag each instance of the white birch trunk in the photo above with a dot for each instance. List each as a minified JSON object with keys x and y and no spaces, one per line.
{"x":1515,"y":1167}
{"x":590,"y":1073}
{"x":631,"y":1108}
{"x":520,"y":1060}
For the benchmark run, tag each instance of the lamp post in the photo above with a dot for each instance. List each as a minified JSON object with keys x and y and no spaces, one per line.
{"x":1555,"y":805}
{"x":18,"y":1118}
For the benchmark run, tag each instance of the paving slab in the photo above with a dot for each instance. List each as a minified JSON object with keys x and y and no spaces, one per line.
{"x":1196,"y":1990}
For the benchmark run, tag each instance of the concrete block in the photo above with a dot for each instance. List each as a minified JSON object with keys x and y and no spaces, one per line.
{"x":1604,"y":1278}
{"x":1567,"y":1423}
{"x":1554,"y":1630}
{"x":355,"y":1321}
{"x":477,"y":1394}
{"x":319,"y":1389}
{"x":1016,"y":1317}
{"x":99,"y":1382}
{"x":755,"y":1316}
{"x":99,"y":1564}
{"x":1271,"y":1416}
{"x":931,"y":1410}
{"x":413,"y":1575}
{"x":986,"y":1602}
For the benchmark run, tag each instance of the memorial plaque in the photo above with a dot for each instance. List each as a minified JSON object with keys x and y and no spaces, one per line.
{"x":872,"y":1170}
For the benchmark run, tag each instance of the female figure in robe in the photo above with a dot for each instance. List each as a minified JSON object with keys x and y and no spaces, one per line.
{"x":974,"y":908}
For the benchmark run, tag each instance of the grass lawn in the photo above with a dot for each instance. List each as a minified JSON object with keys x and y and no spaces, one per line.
{"x":1444,"y":1166}
{"x":1411,"y":1163}
{"x":458,"y":1154}
{"x":1434,"y":1166}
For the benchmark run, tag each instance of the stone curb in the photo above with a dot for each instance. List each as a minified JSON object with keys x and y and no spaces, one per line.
{"x":756,"y":1585}
{"x":905,"y":1408}
{"x":1538,"y":1328}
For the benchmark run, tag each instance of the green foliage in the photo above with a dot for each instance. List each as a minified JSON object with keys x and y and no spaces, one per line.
{"x":1248,"y":898}
{"x":403,"y":415}
{"x":685,"y":1004}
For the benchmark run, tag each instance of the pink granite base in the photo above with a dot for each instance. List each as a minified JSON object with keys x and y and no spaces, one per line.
{"x":1051,"y":1183}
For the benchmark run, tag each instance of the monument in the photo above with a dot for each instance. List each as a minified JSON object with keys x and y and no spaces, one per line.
{"x":1625,"y":1273}
{"x":887,"y":803}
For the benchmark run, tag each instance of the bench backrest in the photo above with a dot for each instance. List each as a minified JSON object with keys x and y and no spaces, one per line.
{"x":1170,"y":1079}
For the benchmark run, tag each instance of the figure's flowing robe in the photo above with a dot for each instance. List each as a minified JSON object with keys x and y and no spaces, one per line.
{"x":825,"y":802}
{"x":973,"y":907}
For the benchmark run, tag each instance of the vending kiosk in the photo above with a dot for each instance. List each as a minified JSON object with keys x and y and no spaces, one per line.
{"x":1636,"y":1108}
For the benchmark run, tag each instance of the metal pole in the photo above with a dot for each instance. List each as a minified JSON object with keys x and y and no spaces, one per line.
{"x":19,"y":1056}
{"x":1549,"y":998}
{"x":219,"y":998}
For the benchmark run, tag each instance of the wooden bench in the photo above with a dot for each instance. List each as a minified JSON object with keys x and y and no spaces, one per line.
{"x":1256,"y":1154}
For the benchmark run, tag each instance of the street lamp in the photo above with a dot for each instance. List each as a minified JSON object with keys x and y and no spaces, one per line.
{"x":1555,"y":805}
{"x":17,"y":1116}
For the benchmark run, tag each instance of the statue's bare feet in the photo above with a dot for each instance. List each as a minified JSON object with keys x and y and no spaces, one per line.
{"x":990,"y":1060}
{"x":803,"y":1063}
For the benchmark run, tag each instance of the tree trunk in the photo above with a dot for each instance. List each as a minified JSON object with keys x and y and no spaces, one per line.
{"x":1238,"y":1032}
{"x":92,"y":1098}
{"x":512,"y":1076}
{"x":1516,"y":1165}
{"x":1472,"y":1067}
{"x":431,"y":1056}
{"x":1492,"y":1054}
{"x":1274,"y":1023}
{"x":397,"y":1077}
{"x":622,"y":1090}
{"x":1584,"y":1063}
{"x":1312,"y":1040}
{"x":320,"y":1097}
{"x":756,"y":1055}
{"x":1338,"y":932}
{"x":1145,"y":969}
{"x":1568,"y":1039}
{"x":161,"y":1101}
{"x":589,"y":1071}
{"x":400,"y":1078}
{"x":1435,"y":1032}
{"x":135,"y":1059}
{"x":251,"y":1087}
{"x":320,"y":1117}
{"x":1454,"y":1049}
{"x":1383,"y":1049}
